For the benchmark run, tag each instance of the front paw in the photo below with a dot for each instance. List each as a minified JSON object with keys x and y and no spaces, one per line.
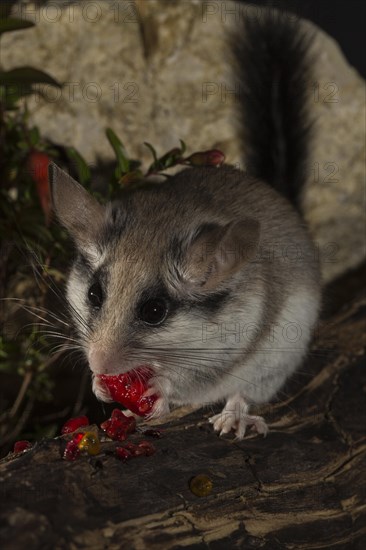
{"x":159,"y":409}
{"x":234,"y":416}
{"x":158,"y":387}
{"x":100,"y":391}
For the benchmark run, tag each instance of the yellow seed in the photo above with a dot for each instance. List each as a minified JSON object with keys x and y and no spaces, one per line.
{"x":90,"y":443}
{"x":201,"y":485}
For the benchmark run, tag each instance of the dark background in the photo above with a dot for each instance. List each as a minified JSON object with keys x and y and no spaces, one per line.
{"x":344,"y":20}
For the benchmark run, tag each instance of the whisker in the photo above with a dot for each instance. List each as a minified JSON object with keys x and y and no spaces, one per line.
{"x":34,"y":310}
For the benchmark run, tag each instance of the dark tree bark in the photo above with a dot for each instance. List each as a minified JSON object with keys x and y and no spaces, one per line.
{"x":303,"y":486}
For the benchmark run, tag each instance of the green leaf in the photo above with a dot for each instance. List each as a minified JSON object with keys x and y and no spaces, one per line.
{"x":153,"y":152}
{"x":12,"y":24}
{"x":183,"y":147}
{"x":120,"y":152}
{"x":34,"y":136}
{"x":81,"y":166}
{"x":25,"y":76}
{"x":118,"y":173}
{"x":169,"y":159}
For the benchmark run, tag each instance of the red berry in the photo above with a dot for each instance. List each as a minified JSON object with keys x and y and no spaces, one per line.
{"x":123,"y":453}
{"x":130,"y":450}
{"x":135,"y":450}
{"x":105,"y":425}
{"x":130,"y":424}
{"x":128,"y":389}
{"x":139,"y":451}
{"x":117,"y":430}
{"x":120,"y":435}
{"x":20,"y":446}
{"x":119,"y":425}
{"x":117,"y":413}
{"x":78,"y":437}
{"x":72,"y":451}
{"x":74,"y":423}
{"x":147,"y":447}
{"x":130,"y":447}
{"x":123,"y":431}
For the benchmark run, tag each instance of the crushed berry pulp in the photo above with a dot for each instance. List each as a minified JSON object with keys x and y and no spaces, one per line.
{"x":128,"y":389}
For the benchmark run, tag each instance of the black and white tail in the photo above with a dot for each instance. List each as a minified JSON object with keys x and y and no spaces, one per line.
{"x":272,"y":64}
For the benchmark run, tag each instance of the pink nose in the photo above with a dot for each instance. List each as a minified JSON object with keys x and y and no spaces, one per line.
{"x":99,"y":360}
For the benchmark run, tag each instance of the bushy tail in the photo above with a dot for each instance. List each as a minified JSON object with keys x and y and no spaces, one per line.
{"x":272,"y":66}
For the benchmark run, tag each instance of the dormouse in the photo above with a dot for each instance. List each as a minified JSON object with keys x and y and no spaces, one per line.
{"x":210,"y":278}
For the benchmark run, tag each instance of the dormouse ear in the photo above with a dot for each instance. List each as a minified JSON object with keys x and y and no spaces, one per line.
{"x":219,"y":251}
{"x":74,"y":207}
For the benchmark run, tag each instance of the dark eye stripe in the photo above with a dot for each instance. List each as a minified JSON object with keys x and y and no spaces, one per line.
{"x":150,"y":297}
{"x":83,"y":265}
{"x":213,"y":302}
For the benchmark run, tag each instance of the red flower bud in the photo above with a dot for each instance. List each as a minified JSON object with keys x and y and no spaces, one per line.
{"x":38,"y":167}
{"x":213,"y":157}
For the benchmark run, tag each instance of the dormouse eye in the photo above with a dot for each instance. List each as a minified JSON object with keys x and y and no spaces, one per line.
{"x":154,"y":311}
{"x":95,"y":295}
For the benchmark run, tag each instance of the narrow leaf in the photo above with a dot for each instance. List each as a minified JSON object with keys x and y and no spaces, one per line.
{"x":81,"y":166}
{"x":26,"y":75}
{"x":12,"y":24}
{"x":183,"y":147}
{"x":120,"y":151}
{"x":153,"y":152}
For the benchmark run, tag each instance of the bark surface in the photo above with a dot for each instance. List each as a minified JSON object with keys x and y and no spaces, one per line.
{"x":303,"y":486}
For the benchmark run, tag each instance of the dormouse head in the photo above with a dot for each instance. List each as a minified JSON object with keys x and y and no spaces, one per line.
{"x":150,"y":271}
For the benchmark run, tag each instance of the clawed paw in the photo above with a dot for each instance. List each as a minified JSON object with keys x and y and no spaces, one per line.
{"x":157,"y":387}
{"x":234,"y":416}
{"x":159,"y":409}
